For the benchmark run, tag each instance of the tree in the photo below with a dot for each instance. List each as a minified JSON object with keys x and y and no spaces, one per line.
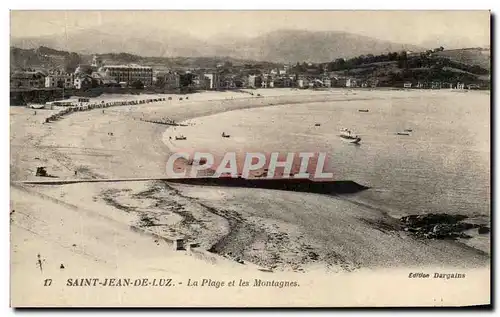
{"x":137,"y":85}
{"x":402,"y":60}
{"x":393,"y":56}
{"x":160,"y":82}
{"x":71,"y":62}
{"x":186,"y":80}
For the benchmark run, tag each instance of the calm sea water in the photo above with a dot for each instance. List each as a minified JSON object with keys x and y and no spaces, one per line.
{"x":443,"y":166}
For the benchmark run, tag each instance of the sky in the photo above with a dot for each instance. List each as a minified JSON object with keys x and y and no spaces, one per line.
{"x":429,"y":28}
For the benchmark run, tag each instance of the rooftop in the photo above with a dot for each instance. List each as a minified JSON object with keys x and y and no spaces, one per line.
{"x":27,"y":75}
{"x":126,"y":66}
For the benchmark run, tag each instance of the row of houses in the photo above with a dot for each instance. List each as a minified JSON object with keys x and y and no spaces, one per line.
{"x":121,"y":75}
{"x":99,"y":74}
{"x":307,"y":82}
{"x":439,"y":85}
{"x":94,"y":74}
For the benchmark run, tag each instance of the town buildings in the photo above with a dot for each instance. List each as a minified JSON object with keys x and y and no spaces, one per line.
{"x":171,"y":80}
{"x":201,"y":82}
{"x":129,"y":73}
{"x":27,"y":79}
{"x":225,"y":76}
{"x":213,"y":80}
{"x":59,"y":79}
{"x":435,"y":85}
{"x":104,"y":79}
{"x":83,"y":81}
{"x":327,"y":82}
{"x":301,"y":83}
{"x":254,"y":81}
{"x":350,"y":82}
{"x":84,"y":69}
{"x":97,"y":62}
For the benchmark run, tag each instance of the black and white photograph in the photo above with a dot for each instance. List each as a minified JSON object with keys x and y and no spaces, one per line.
{"x":250,"y":158}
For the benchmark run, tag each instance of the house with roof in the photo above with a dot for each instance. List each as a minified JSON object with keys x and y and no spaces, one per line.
{"x":27,"y":79}
{"x":351,"y":82}
{"x":59,"y":79}
{"x":84,"y":81}
{"x":104,"y":80}
{"x":254,"y":81}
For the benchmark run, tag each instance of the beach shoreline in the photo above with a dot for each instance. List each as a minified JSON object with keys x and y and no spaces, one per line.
{"x":79,"y":142}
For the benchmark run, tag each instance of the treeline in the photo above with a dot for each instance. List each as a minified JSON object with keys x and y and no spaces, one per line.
{"x":345,"y":64}
{"x":429,"y":75}
{"x":50,"y":51}
{"x":403,"y":61}
{"x":71,"y":59}
{"x":440,"y":62}
{"x":122,"y":57}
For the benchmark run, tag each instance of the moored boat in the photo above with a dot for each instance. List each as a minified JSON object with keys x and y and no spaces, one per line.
{"x":348,"y":136}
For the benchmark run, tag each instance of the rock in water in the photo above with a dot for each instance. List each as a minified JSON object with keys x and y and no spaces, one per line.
{"x":436,"y":226}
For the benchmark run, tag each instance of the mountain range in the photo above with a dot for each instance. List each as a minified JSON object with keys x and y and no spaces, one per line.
{"x":280,"y":46}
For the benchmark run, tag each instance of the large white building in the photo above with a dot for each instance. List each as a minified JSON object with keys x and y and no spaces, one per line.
{"x":59,"y":80}
{"x":129,"y":73}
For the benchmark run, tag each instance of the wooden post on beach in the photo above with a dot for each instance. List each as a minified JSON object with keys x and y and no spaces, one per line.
{"x":179,"y":244}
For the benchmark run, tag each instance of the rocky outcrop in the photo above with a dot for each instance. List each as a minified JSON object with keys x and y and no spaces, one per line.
{"x":439,"y":226}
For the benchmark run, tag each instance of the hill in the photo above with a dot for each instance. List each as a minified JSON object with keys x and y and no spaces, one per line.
{"x":389,"y":68}
{"x":469,"y":56}
{"x":43,"y":58}
{"x":395,"y":68}
{"x":49,"y":59}
{"x":276,"y":46}
{"x":291,"y":46}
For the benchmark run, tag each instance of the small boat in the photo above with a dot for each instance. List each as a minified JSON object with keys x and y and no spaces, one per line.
{"x":403,"y":133}
{"x":36,"y":106}
{"x":348,"y":136}
{"x":363,"y":110}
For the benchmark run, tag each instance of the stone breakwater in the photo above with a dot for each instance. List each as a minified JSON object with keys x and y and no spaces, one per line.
{"x":98,"y":105}
{"x":296,"y":185}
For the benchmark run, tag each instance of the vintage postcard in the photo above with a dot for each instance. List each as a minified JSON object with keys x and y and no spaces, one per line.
{"x":250,"y":158}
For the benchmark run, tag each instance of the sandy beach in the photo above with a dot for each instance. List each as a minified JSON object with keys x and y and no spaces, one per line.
{"x":87,"y":226}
